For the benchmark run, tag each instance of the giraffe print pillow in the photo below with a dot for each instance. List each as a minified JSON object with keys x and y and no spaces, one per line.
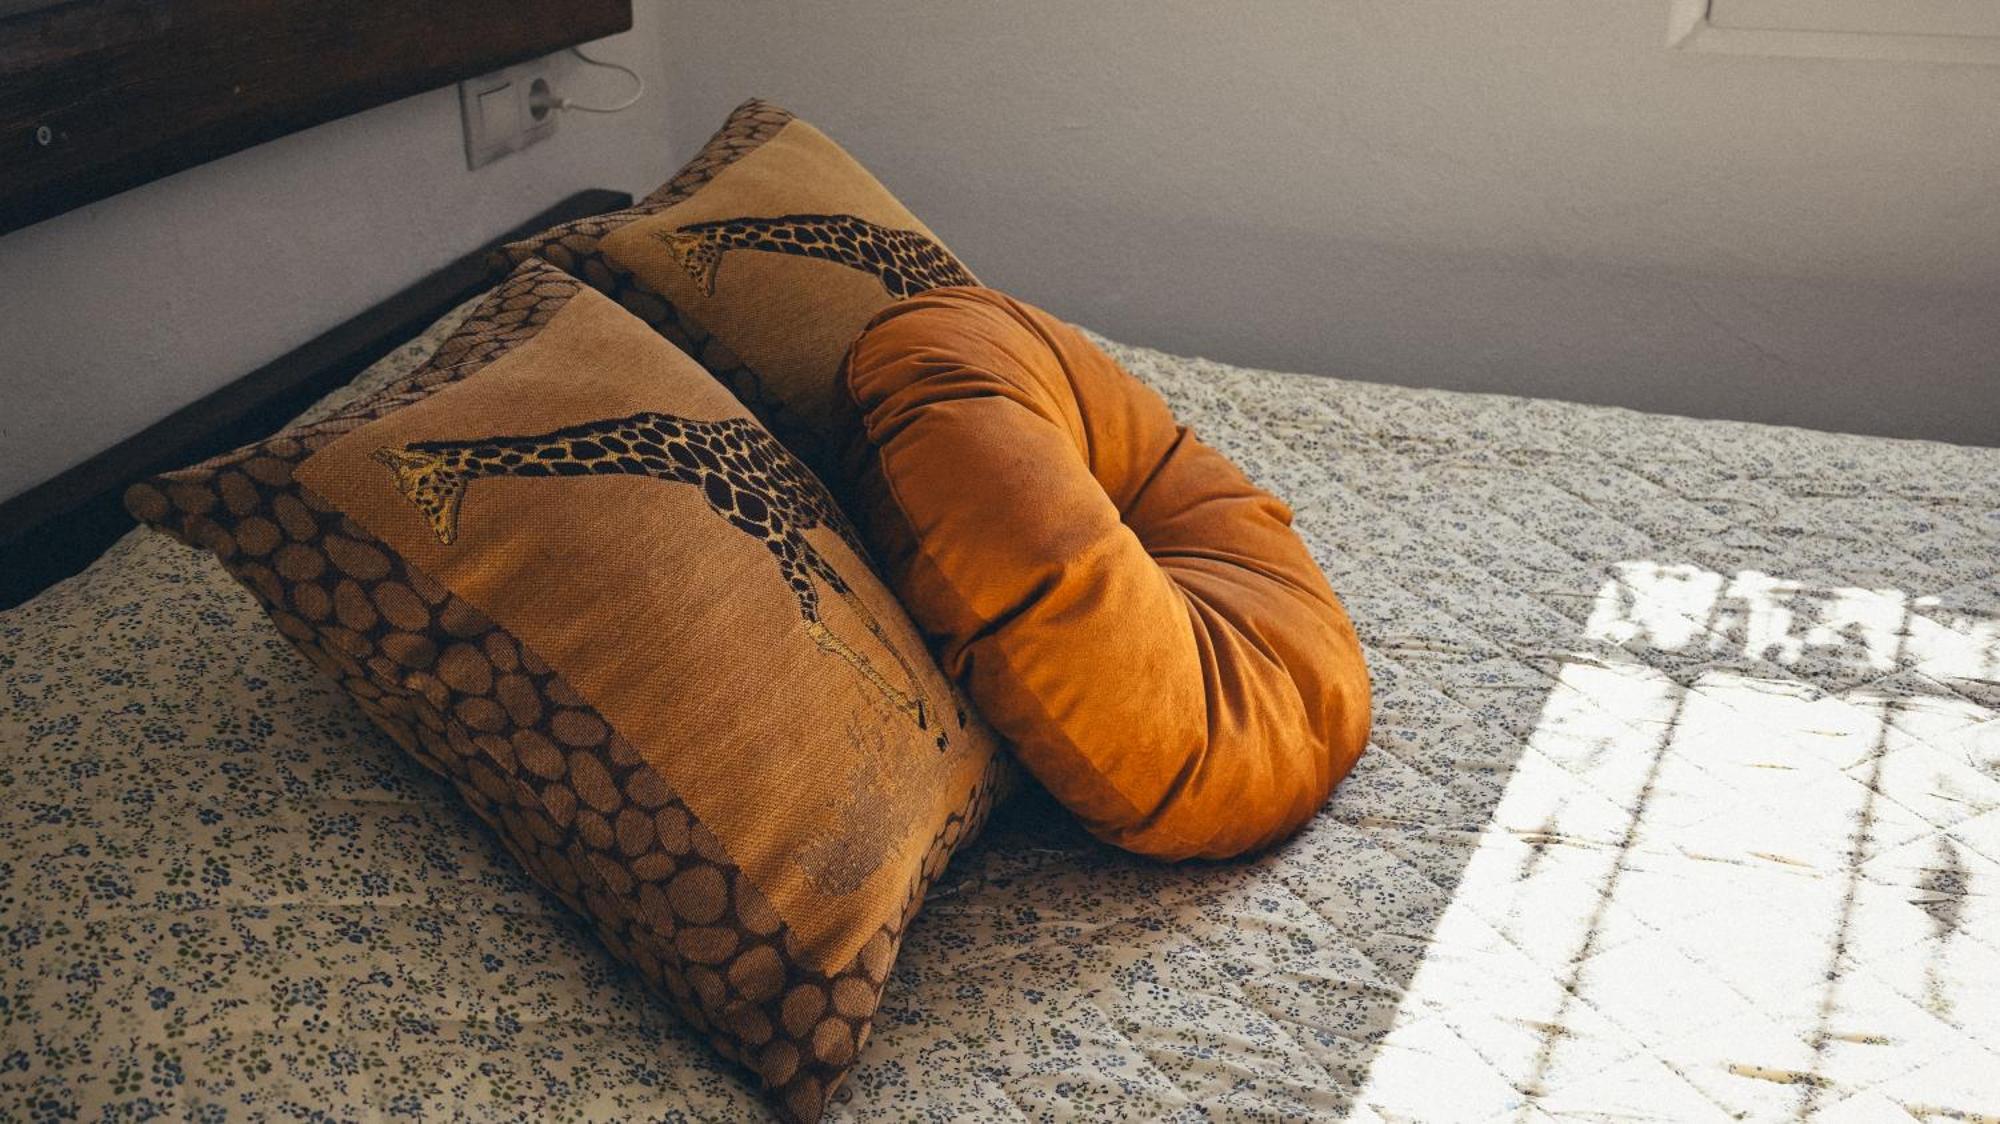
{"x":577,"y":247}
{"x":563,"y":567}
{"x":763,"y":259}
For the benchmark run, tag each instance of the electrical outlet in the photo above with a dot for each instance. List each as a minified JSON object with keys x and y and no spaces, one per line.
{"x":507,"y":110}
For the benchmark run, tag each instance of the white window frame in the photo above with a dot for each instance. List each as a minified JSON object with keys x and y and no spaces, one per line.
{"x":1922,"y":30}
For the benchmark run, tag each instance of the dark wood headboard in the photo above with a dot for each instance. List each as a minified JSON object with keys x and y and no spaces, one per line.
{"x":56,"y":528}
{"x":98,"y":96}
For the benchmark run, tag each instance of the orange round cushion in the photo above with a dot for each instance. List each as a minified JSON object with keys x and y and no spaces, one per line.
{"x":1136,"y":616}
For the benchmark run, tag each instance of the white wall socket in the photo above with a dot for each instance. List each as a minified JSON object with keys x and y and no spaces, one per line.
{"x":507,"y":110}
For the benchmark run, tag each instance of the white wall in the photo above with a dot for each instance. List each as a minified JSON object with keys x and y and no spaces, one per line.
{"x":116,"y":314}
{"x":1532,"y":196}
{"x":1522,"y":195}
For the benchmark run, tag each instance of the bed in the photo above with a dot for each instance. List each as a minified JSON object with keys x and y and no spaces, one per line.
{"x":1683,"y":801}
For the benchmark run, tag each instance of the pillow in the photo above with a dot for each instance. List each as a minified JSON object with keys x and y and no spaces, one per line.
{"x":1136,"y":617}
{"x":763,"y":259}
{"x":577,"y":248}
{"x":563,"y":568}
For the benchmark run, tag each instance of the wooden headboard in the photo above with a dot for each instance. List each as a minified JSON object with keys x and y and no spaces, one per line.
{"x":98,"y":96}
{"x":56,"y":528}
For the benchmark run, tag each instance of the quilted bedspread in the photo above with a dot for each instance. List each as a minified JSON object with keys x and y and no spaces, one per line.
{"x":1683,"y":803}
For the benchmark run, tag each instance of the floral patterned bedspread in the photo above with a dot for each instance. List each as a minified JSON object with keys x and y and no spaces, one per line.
{"x":1683,"y":803}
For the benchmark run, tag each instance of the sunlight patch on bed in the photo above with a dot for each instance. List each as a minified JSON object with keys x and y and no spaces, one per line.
{"x":1749,"y":861}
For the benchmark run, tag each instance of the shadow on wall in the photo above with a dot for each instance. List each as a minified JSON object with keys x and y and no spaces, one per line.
{"x":1741,"y":863}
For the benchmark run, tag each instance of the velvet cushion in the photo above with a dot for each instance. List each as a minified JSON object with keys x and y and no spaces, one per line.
{"x":1120,"y":601}
{"x":562,"y":567}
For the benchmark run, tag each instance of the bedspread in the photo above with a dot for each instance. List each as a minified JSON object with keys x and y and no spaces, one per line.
{"x":1683,"y":802}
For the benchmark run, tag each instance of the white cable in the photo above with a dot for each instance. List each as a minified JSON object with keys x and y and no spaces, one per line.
{"x":637,"y":93}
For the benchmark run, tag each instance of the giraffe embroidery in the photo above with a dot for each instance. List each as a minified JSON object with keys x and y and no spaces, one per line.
{"x":744,"y":474}
{"x":905,"y":261}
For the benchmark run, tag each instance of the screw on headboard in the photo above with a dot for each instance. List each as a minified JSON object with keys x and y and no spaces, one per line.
{"x":44,"y":135}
